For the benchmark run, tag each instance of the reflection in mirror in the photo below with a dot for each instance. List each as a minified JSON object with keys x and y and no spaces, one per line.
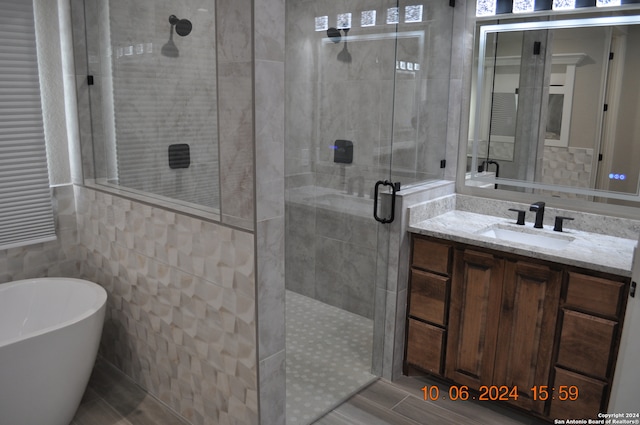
{"x":539,"y":108}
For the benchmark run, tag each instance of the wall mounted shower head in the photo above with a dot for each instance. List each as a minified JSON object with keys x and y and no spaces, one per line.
{"x":334,"y":35}
{"x":183,"y":26}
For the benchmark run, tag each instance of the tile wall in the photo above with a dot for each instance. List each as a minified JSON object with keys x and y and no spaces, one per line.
{"x":332,"y":249}
{"x":181,"y":316}
{"x":268,"y":33}
{"x":332,"y":256}
{"x":250,"y":94}
{"x":567,"y":166}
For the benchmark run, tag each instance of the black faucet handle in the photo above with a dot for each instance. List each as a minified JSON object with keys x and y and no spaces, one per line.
{"x":521,"y":214}
{"x":557,"y":227}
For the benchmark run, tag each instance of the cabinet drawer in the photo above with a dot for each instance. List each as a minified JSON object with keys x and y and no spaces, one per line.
{"x":596,"y":295}
{"x":591,"y":396}
{"x":432,"y":256}
{"x":424,"y":346}
{"x":585,"y":343}
{"x":429,"y":297}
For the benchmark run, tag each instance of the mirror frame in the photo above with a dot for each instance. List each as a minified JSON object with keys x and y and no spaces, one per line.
{"x":484,"y":30}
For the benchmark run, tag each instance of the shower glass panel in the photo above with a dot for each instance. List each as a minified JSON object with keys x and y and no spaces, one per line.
{"x":152,"y":85}
{"x":367,"y":95}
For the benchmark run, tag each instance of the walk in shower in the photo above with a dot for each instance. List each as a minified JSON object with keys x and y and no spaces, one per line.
{"x":367,"y":94}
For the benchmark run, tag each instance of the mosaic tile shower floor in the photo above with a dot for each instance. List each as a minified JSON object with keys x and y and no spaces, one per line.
{"x":328,"y":357}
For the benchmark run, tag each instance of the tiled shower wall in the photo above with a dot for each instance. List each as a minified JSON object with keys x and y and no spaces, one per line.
{"x":55,"y":258}
{"x":365,"y":100}
{"x":331,"y":250}
{"x":149,"y":99}
{"x":332,"y":257}
{"x":181,"y":310}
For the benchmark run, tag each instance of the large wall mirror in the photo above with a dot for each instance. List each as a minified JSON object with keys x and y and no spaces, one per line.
{"x":556,"y":108}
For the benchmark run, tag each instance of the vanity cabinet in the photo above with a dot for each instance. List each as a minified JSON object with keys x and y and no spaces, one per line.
{"x":590,"y":317}
{"x":479,"y":317}
{"x":428,"y":306}
{"x":502,"y":323}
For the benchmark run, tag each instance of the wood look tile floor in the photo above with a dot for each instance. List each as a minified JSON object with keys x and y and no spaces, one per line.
{"x":114,"y":399}
{"x":401,"y":403}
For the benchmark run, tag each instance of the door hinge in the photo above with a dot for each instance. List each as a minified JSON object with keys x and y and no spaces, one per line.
{"x":600,"y":157}
{"x":606,"y":107}
{"x":632,"y":291}
{"x":452,"y":3}
{"x":90,"y":80}
{"x":443,"y":163}
{"x":536,"y":47}
{"x":610,"y":56}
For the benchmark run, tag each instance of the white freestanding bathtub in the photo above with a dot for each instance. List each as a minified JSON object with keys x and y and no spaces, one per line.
{"x":50,"y":329}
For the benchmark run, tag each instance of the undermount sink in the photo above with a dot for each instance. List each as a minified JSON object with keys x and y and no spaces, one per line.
{"x":527,"y":236}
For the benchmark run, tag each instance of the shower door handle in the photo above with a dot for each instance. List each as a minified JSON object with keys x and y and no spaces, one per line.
{"x":394,"y":188}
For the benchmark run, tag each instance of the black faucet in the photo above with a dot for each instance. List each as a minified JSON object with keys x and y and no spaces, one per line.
{"x":538,"y":207}
{"x":485,"y":167}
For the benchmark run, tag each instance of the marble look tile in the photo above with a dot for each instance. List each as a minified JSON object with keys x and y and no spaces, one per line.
{"x":236,"y":141}
{"x":270,"y":281}
{"x":272,"y":389}
{"x":400,"y":310}
{"x":269,"y":139}
{"x":233,"y":35}
{"x":269,"y":33}
{"x":300,"y":249}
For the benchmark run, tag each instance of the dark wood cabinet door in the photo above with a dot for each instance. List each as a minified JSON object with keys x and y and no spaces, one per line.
{"x":590,"y":400}
{"x":429,"y":297}
{"x":431,"y":255}
{"x":528,"y":316}
{"x":586,"y":344}
{"x":473,"y":318}
{"x":424,"y":348}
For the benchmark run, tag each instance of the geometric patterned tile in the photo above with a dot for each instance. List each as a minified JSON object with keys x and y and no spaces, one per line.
{"x":181,"y":308}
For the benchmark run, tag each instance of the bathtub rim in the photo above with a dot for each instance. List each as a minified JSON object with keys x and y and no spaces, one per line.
{"x":95,"y":307}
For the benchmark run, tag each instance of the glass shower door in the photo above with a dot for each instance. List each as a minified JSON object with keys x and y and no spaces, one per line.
{"x":355,"y":115}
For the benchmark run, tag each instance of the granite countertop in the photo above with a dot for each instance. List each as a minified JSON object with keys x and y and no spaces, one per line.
{"x":588,"y":250}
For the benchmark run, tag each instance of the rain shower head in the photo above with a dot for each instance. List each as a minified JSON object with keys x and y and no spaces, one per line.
{"x":183,"y":26}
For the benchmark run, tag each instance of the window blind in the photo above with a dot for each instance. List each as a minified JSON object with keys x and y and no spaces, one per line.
{"x":26,"y":214}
